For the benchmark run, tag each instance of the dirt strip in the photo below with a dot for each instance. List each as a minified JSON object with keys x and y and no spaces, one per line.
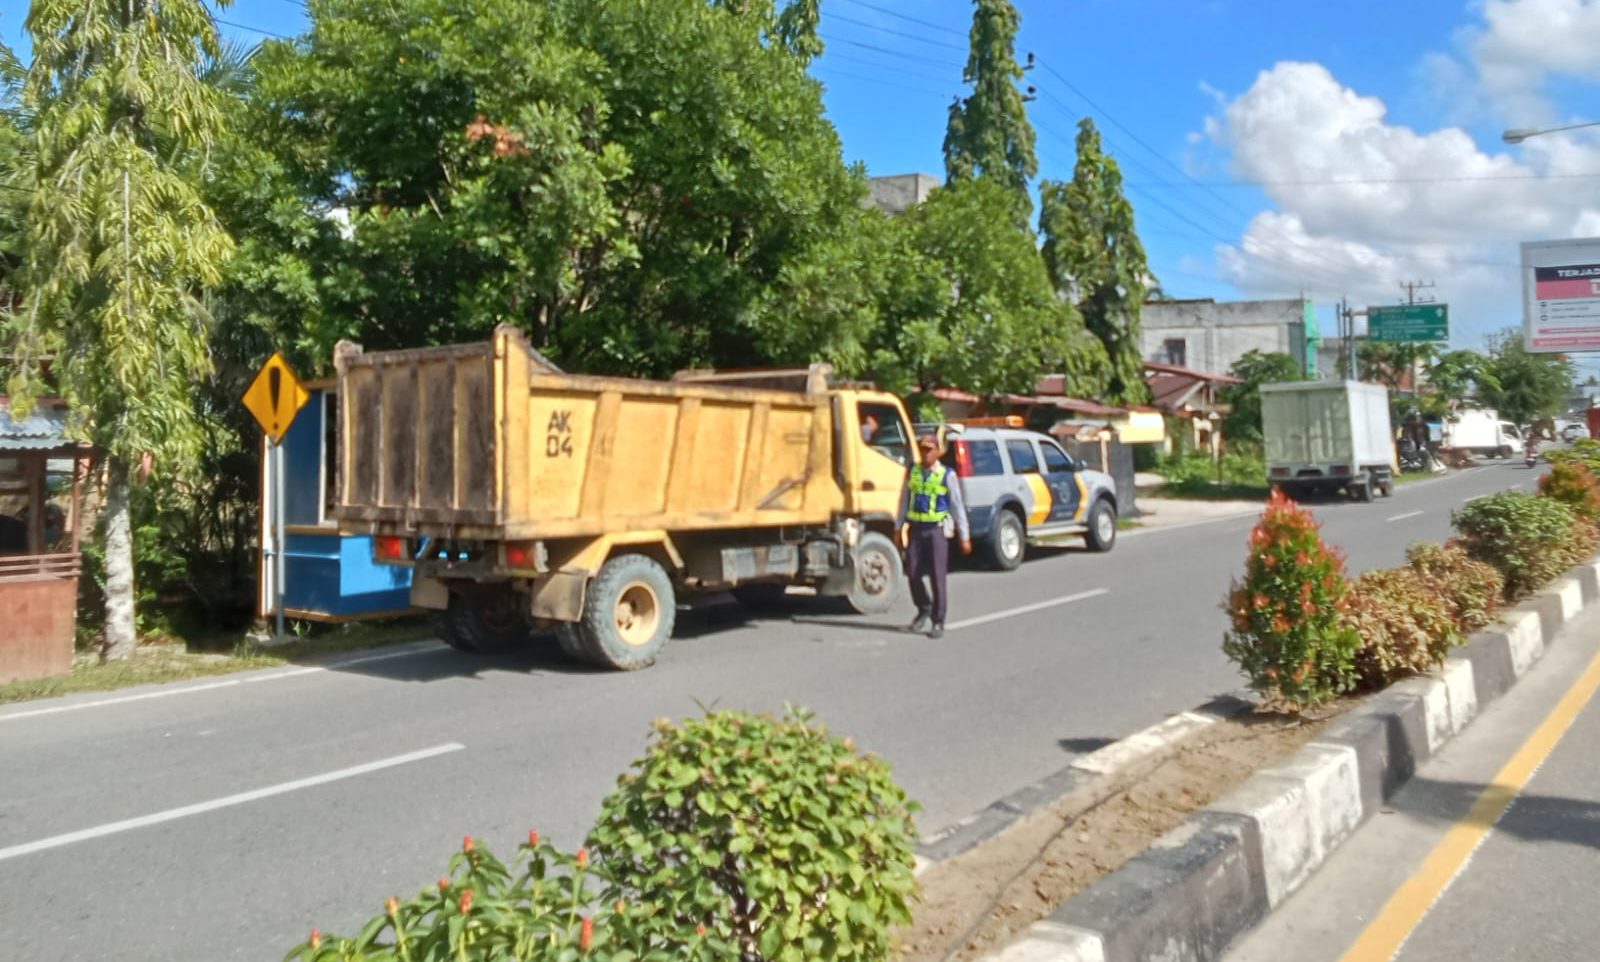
{"x":979,"y":901}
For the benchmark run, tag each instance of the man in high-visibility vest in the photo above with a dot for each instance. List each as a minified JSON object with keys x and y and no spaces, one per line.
{"x":933,"y":512}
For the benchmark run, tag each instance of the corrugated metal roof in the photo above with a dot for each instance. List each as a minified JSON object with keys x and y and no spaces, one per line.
{"x":42,"y":430}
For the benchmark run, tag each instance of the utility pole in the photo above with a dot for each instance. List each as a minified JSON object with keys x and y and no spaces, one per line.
{"x":1411,"y":288}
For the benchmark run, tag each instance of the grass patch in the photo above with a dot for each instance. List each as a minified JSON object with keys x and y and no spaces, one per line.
{"x":1209,"y":491}
{"x":154,"y":664}
{"x":1127,"y":524}
{"x":1407,"y":477}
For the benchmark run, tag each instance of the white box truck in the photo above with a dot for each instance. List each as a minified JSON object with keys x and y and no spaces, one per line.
{"x":1481,"y":432}
{"x":1324,"y":437}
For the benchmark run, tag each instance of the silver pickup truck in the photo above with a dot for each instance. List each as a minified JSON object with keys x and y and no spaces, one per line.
{"x":1020,"y":486}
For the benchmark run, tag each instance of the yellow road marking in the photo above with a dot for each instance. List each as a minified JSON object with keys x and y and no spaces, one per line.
{"x":1406,"y":909}
{"x":1042,"y":500}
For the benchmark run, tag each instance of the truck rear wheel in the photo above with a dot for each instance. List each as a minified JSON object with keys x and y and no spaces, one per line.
{"x":878,"y":575}
{"x":628,"y":615}
{"x":483,"y":622}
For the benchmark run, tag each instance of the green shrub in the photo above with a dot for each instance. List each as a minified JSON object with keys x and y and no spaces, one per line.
{"x":1529,"y":539}
{"x":1198,"y":472}
{"x":1405,"y":623}
{"x":548,"y":907}
{"x":769,"y":832}
{"x":1574,"y":485}
{"x":1473,"y":589}
{"x":1290,"y":632}
{"x":1584,"y":451}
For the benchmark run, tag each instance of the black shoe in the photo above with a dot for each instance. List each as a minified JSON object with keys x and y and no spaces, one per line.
{"x":919,"y":623}
{"x":937,"y":632}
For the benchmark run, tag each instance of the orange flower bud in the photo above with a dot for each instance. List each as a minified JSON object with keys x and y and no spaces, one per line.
{"x":586,"y":936}
{"x":533,"y":838}
{"x":392,"y":907}
{"x":466,"y":901}
{"x":444,"y":885}
{"x":316,"y":938}
{"x":583,"y":857}
{"x":700,"y":930}
{"x":466,"y":844}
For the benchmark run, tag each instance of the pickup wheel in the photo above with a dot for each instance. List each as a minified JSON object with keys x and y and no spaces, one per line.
{"x":1009,"y":542}
{"x":878,"y":575}
{"x":1102,"y":533}
{"x":628,"y":615}
{"x":485,"y":622}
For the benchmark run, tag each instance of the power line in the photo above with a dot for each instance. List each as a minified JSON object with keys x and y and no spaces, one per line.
{"x":1339,"y":182}
{"x":891,"y":51}
{"x":897,"y":33}
{"x":242,"y":26}
{"x":900,"y":16}
{"x":876,"y":80}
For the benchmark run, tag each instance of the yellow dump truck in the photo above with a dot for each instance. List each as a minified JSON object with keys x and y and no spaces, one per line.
{"x":524,"y":498}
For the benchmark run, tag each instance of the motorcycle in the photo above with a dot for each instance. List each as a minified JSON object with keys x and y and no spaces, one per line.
{"x":1530,"y":455}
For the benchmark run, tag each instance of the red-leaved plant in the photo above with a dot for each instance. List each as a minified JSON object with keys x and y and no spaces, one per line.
{"x":1574,"y":485}
{"x":1289,"y":631}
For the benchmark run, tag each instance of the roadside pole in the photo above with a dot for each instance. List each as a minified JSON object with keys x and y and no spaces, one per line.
{"x":275,"y":396}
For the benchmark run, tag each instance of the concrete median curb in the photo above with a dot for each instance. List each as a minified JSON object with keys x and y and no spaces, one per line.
{"x":1201,"y":886}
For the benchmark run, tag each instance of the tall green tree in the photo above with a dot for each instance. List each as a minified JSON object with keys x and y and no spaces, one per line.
{"x":1456,"y":376}
{"x":1095,"y":259}
{"x":121,"y":242}
{"x":1253,"y":369}
{"x":16,"y":177}
{"x":1392,"y":363}
{"x":797,"y":28}
{"x":966,"y":303}
{"x":988,"y":133}
{"x":1521,"y":386}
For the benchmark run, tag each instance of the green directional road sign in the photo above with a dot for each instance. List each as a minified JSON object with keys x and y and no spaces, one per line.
{"x":1409,"y":322}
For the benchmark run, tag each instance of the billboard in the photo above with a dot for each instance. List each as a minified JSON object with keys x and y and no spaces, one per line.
{"x":1561,"y":295}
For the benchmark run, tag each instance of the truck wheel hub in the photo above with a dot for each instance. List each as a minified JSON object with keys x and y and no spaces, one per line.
{"x":638,"y":614}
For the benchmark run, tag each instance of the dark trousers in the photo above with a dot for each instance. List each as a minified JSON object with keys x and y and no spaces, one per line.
{"x":928,"y":556}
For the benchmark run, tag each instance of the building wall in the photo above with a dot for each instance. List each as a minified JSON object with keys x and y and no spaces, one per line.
{"x":1213,"y":335}
{"x":897,"y":193}
{"x":40,"y":618}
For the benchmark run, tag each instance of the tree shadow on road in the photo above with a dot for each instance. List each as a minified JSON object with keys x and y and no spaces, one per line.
{"x":1532,"y":817}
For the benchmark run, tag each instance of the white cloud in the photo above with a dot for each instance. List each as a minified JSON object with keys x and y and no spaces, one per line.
{"x":1432,"y":205}
{"x":1523,"y":42}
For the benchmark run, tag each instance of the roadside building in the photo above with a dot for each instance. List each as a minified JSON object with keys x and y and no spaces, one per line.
{"x":898,"y":193}
{"x":1207,"y":335}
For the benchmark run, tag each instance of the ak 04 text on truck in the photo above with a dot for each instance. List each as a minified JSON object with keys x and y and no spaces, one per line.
{"x":523,"y":497}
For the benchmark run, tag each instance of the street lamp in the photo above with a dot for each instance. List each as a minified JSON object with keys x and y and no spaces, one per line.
{"x":1518,"y":135}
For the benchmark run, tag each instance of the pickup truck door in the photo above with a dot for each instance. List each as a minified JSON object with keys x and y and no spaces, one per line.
{"x":1066,"y":486}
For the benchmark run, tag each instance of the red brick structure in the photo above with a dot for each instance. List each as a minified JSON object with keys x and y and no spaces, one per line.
{"x":39,"y":559}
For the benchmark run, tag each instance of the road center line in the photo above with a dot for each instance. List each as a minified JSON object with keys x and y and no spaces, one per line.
{"x":1383,"y":939}
{"x":1025,"y":609}
{"x":171,"y":814}
{"x":1408,"y":514}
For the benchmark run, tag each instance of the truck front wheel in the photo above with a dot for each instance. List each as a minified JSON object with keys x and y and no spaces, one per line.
{"x":628,"y":614}
{"x":878,"y":575}
{"x":483,"y":622}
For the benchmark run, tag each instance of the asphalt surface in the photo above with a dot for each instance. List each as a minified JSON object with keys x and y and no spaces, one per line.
{"x":238,"y":856}
{"x":1527,"y":892}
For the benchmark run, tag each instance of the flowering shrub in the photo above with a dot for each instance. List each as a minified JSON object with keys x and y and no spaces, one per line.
{"x":1472,"y":589}
{"x":1290,"y":632}
{"x":1585,"y":451}
{"x":768,"y":832}
{"x":1405,"y":623}
{"x":1574,"y":485}
{"x":547,"y":907}
{"x":1529,"y":539}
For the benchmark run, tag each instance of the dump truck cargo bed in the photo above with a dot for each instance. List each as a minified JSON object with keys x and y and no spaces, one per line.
{"x":491,"y":441}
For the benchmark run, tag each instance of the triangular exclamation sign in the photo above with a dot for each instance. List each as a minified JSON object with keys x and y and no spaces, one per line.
{"x":274,"y":385}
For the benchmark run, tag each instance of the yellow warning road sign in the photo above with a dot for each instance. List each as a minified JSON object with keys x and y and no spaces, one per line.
{"x":275,"y":397}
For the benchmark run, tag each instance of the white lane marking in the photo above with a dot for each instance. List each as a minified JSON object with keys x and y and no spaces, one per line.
{"x":1025,"y":609}
{"x":226,"y":683}
{"x":1408,"y":514}
{"x":144,"y":821}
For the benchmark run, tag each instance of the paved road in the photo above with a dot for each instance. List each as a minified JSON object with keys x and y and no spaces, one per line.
{"x":238,"y":855}
{"x":1527,"y":891}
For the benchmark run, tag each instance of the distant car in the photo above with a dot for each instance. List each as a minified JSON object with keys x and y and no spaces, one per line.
{"x":1020,"y":486}
{"x":1573,"y":432}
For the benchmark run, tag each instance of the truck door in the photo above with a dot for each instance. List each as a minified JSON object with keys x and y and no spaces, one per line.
{"x":1034,"y":491}
{"x":876,"y":441}
{"x":1066,"y":487}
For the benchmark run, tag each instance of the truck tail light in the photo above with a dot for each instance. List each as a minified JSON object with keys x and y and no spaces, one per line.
{"x":519,"y":555}
{"x":963,"y":460}
{"x":1341,"y":469}
{"x":390,"y":549}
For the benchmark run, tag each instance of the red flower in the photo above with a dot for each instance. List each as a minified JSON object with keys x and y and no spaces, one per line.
{"x":700,"y":930}
{"x":583,"y":857}
{"x":316,"y":938}
{"x":1270,"y":560}
{"x":533,"y":838}
{"x":1260,"y":601}
{"x":1306,"y":607}
{"x":586,"y":936}
{"x":466,"y":844}
{"x":1302,"y":558}
{"x":466,"y":901}
{"x":1280,"y":624}
{"x":392,"y":907}
{"x":444,"y":885}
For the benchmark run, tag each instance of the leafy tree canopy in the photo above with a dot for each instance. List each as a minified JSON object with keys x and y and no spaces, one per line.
{"x":1521,"y":386}
{"x":1254,"y":369}
{"x":988,"y":133}
{"x":1095,"y":258}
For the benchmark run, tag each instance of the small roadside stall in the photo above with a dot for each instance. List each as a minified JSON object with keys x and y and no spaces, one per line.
{"x":42,"y":476}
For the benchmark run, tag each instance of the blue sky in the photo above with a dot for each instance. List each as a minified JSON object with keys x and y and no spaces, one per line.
{"x":1201,"y":101}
